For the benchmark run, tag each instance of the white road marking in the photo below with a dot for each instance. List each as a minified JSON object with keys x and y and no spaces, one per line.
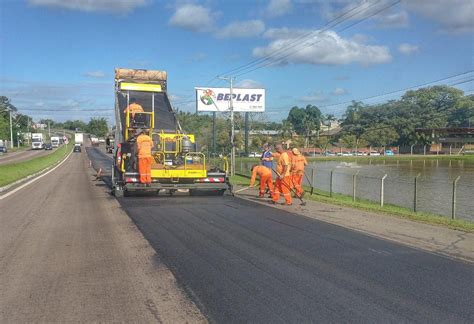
{"x":34,"y":179}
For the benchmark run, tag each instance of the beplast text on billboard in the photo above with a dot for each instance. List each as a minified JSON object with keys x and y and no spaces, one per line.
{"x":218,"y":99}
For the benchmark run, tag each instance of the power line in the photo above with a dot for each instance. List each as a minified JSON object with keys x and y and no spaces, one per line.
{"x":319,"y":40}
{"x":295,"y":42}
{"x":397,"y":91}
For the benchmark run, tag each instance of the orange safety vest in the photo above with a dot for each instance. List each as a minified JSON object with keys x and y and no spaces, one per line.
{"x":144,"y":145}
{"x":283,"y":160}
{"x":133,"y":109}
{"x":298,"y":162}
{"x":262,"y":171}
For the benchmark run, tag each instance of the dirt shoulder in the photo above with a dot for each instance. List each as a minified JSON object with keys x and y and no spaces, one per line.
{"x":445,"y":241}
{"x":71,"y":254}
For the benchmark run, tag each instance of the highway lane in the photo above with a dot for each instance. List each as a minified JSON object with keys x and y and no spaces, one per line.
{"x":68,"y":253}
{"x":244,"y":262}
{"x":20,"y":156}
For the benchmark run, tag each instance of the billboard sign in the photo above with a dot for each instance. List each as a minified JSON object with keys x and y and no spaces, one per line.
{"x":218,"y":99}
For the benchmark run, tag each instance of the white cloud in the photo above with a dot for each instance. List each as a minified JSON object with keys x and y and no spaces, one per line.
{"x":248,"y":28}
{"x":455,"y":16}
{"x":340,"y":92}
{"x":192,"y":17}
{"x":407,"y":49}
{"x":314,"y":97}
{"x":326,"y":48}
{"x":199,"y":57}
{"x":393,"y":19}
{"x":94,"y":74}
{"x":249,"y":84}
{"x":114,"y":6}
{"x":277,"y":8}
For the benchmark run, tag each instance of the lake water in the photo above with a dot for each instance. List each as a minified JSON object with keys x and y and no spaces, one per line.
{"x":434,"y":184}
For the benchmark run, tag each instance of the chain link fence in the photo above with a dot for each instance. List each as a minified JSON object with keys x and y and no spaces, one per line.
{"x":444,"y":193}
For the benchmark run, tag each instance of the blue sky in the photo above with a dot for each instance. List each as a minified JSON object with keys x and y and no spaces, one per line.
{"x":58,"y":56}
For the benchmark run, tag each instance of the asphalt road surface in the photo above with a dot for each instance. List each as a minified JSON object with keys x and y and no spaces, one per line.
{"x":20,"y":156}
{"x":244,"y":262}
{"x":68,"y":253}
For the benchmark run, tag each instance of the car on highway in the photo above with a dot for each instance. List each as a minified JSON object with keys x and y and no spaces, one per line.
{"x":77,"y":148}
{"x":48,"y":147}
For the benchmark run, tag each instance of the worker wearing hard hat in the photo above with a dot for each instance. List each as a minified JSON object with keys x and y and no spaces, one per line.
{"x":283,"y":180}
{"x":133,"y":108}
{"x":145,"y":159}
{"x":266,"y":180}
{"x":298,"y":163}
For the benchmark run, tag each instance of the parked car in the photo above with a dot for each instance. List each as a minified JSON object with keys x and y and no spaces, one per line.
{"x":255,"y":154}
{"x":389,"y":153}
{"x":374,"y":153}
{"x":48,"y":147}
{"x":77,"y":148}
{"x":3,"y":149}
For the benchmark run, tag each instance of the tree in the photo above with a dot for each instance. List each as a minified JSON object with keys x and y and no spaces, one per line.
{"x":97,"y":126}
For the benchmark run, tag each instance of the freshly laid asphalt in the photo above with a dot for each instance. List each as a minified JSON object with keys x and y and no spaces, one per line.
{"x":244,"y":262}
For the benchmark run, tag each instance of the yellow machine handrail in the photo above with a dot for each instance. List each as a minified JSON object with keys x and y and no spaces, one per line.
{"x":127,"y":122}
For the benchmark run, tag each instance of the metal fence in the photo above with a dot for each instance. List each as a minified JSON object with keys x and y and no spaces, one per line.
{"x":451,"y":197}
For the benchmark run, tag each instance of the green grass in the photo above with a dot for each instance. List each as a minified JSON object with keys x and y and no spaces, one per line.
{"x":387,"y":209}
{"x":16,"y":171}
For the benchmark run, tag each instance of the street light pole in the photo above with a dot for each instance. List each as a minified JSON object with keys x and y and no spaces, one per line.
{"x":11,"y":130}
{"x":232,"y":124}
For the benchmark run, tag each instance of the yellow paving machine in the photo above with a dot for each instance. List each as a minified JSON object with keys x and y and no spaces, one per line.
{"x":177,"y":163}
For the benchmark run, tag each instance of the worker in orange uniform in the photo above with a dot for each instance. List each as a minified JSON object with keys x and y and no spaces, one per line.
{"x":145,"y":159}
{"x":298,"y":163}
{"x":283,"y":180}
{"x":133,"y":108}
{"x":266,"y":180}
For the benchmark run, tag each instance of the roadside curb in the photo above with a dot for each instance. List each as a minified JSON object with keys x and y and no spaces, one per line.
{"x":32,"y":177}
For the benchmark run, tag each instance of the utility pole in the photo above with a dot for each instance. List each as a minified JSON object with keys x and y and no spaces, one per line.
{"x":246,"y":133}
{"x":214,"y":133}
{"x":232,"y":125}
{"x":49,"y":129}
{"x":11,"y":129}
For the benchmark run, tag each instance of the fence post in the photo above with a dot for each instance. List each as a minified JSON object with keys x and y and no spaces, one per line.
{"x":453,"y":211}
{"x":330,"y":183}
{"x":241,"y":166}
{"x":411,"y":149}
{"x":312,"y":180}
{"x":354,"y":185}
{"x":415,"y":193}
{"x":450,"y":149}
{"x":424,"y":149}
{"x":381,"y":190}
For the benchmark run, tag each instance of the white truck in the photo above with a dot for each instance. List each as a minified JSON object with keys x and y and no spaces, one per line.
{"x":37,"y":142}
{"x":79,"y":138}
{"x":55,"y":141}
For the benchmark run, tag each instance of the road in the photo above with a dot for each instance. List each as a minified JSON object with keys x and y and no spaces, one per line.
{"x":20,"y":156}
{"x":244,"y":262}
{"x":68,"y":253}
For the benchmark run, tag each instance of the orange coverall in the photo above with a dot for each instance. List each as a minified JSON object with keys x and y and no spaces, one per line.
{"x":265,"y":179}
{"x":297,"y":172}
{"x":283,"y":182}
{"x":144,"y":145}
{"x":133,"y":108}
